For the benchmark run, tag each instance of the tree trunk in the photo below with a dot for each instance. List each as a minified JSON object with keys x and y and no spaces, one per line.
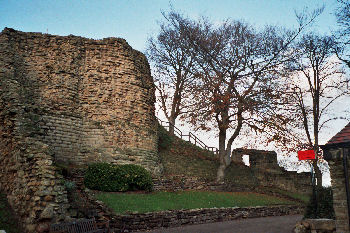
{"x":171,"y":125}
{"x":225,"y":151}
{"x":222,"y":156}
{"x":318,"y":173}
{"x":220,"y":175}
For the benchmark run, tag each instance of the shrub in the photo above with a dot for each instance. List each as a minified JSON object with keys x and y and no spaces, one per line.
{"x":320,"y":204}
{"x":112,"y":178}
{"x":164,"y":139}
{"x":137,"y":177}
{"x":100,"y":176}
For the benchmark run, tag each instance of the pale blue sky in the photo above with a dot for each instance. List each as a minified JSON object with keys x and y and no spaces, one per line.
{"x":135,"y":20}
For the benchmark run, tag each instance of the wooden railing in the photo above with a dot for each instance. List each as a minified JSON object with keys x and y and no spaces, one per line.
{"x":190,"y":137}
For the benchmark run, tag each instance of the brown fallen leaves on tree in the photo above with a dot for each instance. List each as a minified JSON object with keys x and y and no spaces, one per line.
{"x":235,"y":76}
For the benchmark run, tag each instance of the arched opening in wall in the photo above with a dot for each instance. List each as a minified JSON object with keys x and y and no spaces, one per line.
{"x":245,"y":159}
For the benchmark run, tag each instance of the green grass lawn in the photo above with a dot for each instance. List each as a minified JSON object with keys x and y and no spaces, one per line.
{"x":123,"y":203}
{"x":302,"y":197}
{"x":299,"y":196}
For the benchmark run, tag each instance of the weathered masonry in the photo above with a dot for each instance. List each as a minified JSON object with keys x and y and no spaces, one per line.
{"x":94,"y":99}
{"x":265,"y":168}
{"x":337,"y":153}
{"x":73,"y":100}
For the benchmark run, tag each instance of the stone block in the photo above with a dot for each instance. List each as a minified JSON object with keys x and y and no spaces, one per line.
{"x":322,"y":224}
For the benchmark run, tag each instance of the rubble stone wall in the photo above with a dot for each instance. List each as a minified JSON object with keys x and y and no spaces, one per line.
{"x":96,"y":96}
{"x":32,"y":185}
{"x":265,"y":168}
{"x":73,"y":100}
{"x":269,"y":173}
{"x":334,"y":158}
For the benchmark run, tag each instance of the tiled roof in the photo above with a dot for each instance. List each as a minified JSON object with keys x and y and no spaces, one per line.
{"x":342,"y":136}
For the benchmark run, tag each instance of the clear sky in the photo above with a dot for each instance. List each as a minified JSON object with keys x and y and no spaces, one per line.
{"x":135,"y":20}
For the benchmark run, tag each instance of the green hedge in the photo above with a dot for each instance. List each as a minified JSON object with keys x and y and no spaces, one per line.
{"x":320,"y":204}
{"x":117,"y":178}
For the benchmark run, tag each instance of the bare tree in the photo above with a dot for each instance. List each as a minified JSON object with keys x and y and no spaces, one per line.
{"x":171,"y":64}
{"x":235,"y":77}
{"x":317,"y":83}
{"x":343,"y":33}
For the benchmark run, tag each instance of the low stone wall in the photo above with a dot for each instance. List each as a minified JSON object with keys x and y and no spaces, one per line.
{"x":148,"y":221}
{"x":265,"y":168}
{"x":264,"y":179}
{"x":286,"y":180}
{"x":180,"y":183}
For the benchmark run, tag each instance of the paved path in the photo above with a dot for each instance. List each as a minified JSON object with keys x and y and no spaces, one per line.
{"x":279,"y":224}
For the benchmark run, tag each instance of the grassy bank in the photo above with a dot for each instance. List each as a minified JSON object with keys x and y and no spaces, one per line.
{"x":123,"y":203}
{"x":298,"y":196}
{"x":181,"y":158}
{"x":185,"y":159}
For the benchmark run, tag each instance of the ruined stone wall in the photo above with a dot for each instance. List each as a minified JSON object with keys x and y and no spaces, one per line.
{"x":334,"y":157}
{"x":32,"y":185}
{"x":97,"y":97}
{"x":265,"y":168}
{"x":269,"y":173}
{"x":72,"y":100}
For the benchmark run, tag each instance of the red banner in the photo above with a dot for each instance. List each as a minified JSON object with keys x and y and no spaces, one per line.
{"x":306,"y":154}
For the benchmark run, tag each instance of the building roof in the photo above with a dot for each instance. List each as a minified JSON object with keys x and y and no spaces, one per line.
{"x":343,"y":136}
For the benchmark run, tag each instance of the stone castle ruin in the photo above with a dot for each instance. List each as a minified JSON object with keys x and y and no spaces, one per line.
{"x":71,"y":99}
{"x":88,"y":100}
{"x":268,"y":173}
